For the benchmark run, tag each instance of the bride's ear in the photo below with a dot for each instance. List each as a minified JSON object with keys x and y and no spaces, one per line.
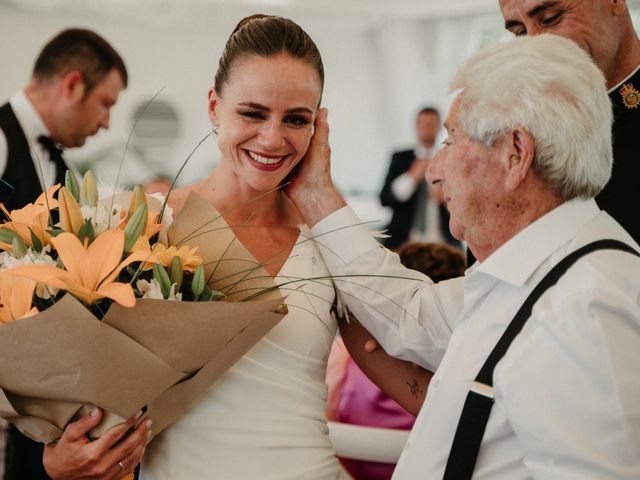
{"x":213,"y":106}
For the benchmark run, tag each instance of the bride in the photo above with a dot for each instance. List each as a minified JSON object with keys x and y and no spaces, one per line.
{"x":265,"y":418}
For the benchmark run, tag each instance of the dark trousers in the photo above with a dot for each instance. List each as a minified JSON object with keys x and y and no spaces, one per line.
{"x":23,"y":457}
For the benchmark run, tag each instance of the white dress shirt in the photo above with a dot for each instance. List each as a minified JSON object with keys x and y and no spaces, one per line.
{"x":32,"y":126}
{"x":567,"y":393}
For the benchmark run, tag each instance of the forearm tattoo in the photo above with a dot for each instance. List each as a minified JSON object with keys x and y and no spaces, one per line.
{"x":415,"y":389}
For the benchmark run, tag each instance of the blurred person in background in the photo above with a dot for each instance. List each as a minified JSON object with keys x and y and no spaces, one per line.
{"x":76,"y":80}
{"x":419,"y":212}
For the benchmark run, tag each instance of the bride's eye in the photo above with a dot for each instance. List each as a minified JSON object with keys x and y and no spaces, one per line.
{"x":297,"y":120}
{"x":252,"y":115}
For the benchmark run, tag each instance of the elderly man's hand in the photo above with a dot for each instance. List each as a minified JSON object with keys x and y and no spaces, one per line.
{"x":110,"y":457}
{"x":310,"y":187}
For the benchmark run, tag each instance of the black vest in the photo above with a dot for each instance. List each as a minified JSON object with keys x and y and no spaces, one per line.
{"x":20,"y":171}
{"x":620,"y":198}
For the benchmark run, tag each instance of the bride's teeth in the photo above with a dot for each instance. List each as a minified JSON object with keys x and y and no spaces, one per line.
{"x":264,"y":160}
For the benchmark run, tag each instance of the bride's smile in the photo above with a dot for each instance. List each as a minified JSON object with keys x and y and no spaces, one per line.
{"x":264,"y":118}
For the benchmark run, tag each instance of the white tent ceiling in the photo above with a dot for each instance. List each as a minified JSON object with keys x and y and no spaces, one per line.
{"x":359,"y":11}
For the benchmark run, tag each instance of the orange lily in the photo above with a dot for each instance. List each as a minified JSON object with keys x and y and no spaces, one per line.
{"x":33,"y":217}
{"x":164,"y":255}
{"x":90,"y":271}
{"x":50,"y":201}
{"x":71,"y":219}
{"x":16,"y":295}
{"x":188,"y":259}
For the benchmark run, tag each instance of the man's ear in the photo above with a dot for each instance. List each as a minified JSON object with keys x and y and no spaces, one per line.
{"x":520,"y":153}
{"x":73,"y":86}
{"x":213,"y":106}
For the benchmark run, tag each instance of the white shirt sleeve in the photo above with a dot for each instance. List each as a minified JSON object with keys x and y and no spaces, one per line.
{"x":4,"y":152}
{"x":410,"y":316}
{"x":403,"y":187}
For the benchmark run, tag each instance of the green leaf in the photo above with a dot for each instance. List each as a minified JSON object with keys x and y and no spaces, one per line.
{"x":210,"y":295}
{"x":7,"y":236}
{"x":87,"y":231}
{"x":37,"y":244}
{"x":55,"y":231}
{"x":71,"y":184}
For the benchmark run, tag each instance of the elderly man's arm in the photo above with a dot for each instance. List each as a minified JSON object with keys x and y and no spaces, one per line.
{"x":410,"y":317}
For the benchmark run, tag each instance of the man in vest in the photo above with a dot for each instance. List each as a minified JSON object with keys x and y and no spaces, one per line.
{"x":76,"y":79}
{"x":535,"y":349}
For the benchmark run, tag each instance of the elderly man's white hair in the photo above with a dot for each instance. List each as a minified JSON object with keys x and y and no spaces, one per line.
{"x":548,"y":86}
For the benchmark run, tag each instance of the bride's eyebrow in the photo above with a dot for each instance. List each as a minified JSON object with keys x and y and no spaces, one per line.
{"x":262,"y":108}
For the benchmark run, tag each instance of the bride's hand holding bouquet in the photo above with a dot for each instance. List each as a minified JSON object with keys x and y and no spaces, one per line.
{"x":93,"y":292}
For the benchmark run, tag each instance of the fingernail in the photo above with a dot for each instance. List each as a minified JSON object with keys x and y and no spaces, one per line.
{"x":94,"y":411}
{"x":148,"y":423}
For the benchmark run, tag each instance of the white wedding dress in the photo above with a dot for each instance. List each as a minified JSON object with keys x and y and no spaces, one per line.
{"x":265,"y":418}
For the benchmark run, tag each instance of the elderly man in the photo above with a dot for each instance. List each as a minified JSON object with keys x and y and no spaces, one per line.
{"x":528,"y":148}
{"x":603,"y":28}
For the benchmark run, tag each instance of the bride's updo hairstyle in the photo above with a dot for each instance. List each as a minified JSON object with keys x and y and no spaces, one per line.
{"x":267,"y":36}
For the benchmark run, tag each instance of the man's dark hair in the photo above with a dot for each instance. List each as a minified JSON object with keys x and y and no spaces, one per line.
{"x":428,"y":110}
{"x":82,"y":50}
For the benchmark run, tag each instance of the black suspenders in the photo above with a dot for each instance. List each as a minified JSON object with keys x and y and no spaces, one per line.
{"x":477,"y":407}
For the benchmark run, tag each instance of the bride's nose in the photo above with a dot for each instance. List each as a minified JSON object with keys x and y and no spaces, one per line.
{"x":271,"y":136}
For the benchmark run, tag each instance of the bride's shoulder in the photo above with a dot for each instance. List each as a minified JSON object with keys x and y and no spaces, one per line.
{"x":178,"y":197}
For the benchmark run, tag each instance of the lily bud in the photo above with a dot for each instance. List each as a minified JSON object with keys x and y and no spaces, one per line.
{"x":71,"y":184}
{"x":135,"y":227}
{"x":19,"y":247}
{"x":89,"y":190}
{"x":70,"y":215}
{"x":197,"y":284}
{"x":161,"y":276}
{"x":138,"y":198}
{"x":176,"y":272}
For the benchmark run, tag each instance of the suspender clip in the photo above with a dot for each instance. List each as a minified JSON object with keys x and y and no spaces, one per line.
{"x":482,"y":389}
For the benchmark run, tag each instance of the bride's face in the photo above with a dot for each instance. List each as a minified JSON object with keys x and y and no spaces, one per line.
{"x":265,"y":115}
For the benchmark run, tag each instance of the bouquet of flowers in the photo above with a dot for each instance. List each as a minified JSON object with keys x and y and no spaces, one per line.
{"x":112,"y":303}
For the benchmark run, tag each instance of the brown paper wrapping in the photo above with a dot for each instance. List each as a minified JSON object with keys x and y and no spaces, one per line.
{"x":160,"y":354}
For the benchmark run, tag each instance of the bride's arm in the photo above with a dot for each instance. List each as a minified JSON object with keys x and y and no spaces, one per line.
{"x":403,"y":381}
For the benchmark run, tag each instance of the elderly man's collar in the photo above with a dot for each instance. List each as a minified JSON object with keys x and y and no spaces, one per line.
{"x":518,"y":258}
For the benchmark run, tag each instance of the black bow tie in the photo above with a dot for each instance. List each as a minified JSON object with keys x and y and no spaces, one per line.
{"x":55,"y":155}
{"x":51,"y":147}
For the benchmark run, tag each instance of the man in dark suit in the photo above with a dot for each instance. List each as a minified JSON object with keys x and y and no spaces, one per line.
{"x":76,"y":80}
{"x":418,"y":211}
{"x":604,"y":29}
